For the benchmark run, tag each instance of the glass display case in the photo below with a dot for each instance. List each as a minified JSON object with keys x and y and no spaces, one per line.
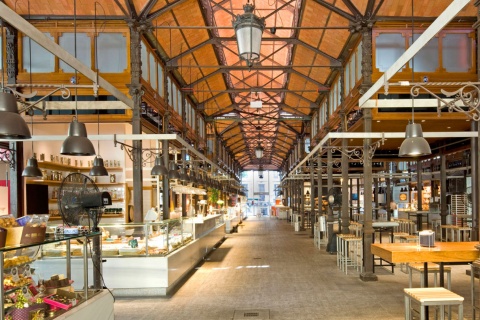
{"x":134,"y":239}
{"x":27,"y":288}
{"x":145,"y":239}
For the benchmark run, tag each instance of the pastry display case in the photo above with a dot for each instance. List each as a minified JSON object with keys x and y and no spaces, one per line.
{"x":28,"y":293}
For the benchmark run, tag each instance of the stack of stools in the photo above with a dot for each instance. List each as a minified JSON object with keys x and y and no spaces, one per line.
{"x":406,"y":226}
{"x":347,"y":250}
{"x":426,"y":297}
{"x":353,"y":253}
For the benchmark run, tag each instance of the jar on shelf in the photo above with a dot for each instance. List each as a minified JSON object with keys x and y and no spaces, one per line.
{"x":55,"y":193}
{"x":113,"y":178}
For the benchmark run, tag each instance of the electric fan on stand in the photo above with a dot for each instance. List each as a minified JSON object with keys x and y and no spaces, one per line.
{"x":334,"y":199}
{"x":80,"y":202}
{"x":81,"y":205}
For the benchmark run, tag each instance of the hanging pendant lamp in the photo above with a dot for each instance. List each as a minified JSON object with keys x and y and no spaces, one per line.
{"x":414,"y":145}
{"x":173,"y":172}
{"x":77,"y":142}
{"x":12,"y":125}
{"x":98,"y":168}
{"x":159,"y":169}
{"x":32,"y":170}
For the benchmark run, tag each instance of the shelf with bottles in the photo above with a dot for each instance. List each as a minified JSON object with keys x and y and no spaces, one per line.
{"x":58,"y":183}
{"x":81,"y":165}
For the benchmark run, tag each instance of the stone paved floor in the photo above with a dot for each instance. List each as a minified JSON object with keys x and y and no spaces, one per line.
{"x":268,"y":267}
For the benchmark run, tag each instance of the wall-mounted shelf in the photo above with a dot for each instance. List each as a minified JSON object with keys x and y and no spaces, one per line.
{"x":65,"y":167}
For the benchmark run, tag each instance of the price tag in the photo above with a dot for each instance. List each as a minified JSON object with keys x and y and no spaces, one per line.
{"x":26,"y":293}
{"x":26,"y":271}
{"x":14,"y":273}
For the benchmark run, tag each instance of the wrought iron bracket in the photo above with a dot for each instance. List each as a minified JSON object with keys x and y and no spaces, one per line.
{"x":8,"y":156}
{"x":467,"y":95}
{"x":358,"y":152}
{"x":148,"y":154}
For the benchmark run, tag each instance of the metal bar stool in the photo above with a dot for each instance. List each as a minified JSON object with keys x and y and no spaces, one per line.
{"x":432,"y":268}
{"x":440,"y":297}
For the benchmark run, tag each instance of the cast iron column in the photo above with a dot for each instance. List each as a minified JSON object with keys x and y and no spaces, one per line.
{"x":419,"y":185}
{"x":135,"y":89}
{"x":474,"y":158}
{"x":330,"y":219}
{"x":312,"y":197}
{"x":443,"y":189}
{"x":345,"y":215}
{"x":367,"y":274}
{"x":320,"y":184}
{"x":475,"y":149}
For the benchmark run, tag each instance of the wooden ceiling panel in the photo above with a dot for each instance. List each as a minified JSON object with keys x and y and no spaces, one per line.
{"x":333,"y":42}
{"x":189,"y":13}
{"x":303,"y":56}
{"x":422,"y":8}
{"x":313,"y":15}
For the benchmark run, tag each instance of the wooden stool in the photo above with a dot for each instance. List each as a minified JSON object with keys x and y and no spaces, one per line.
{"x":462,"y":233}
{"x":432,"y":268}
{"x":432,"y":297}
{"x":398,"y":235}
{"x":448,"y":227}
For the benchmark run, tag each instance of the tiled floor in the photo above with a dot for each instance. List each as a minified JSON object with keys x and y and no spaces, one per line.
{"x":267,"y":267}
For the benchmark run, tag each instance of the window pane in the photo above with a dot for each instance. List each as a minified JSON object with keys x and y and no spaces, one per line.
{"x":42,"y":60}
{"x":359,"y":62}
{"x":144,"y":59}
{"x":427,"y":58}
{"x":347,"y":77}
{"x":153,"y":77}
{"x":352,"y":74}
{"x":457,"y":52}
{"x":112,"y":52}
{"x":67,"y":42}
{"x":389,"y":47}
{"x":160,"y":79}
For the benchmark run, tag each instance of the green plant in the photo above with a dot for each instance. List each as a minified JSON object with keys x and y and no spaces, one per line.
{"x":213,"y":195}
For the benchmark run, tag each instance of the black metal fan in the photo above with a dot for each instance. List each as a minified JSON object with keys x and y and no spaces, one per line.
{"x":80,"y":202}
{"x":334,"y":198}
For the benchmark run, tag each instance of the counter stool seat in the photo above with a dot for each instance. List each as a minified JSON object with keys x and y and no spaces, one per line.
{"x":440,"y":297}
{"x":432,"y":268}
{"x":448,"y":227}
{"x":398,"y":235}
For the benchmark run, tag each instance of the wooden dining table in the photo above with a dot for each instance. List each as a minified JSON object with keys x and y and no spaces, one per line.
{"x":442,"y":253}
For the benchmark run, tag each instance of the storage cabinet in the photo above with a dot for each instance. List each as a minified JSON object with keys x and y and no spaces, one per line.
{"x":22,"y":270}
